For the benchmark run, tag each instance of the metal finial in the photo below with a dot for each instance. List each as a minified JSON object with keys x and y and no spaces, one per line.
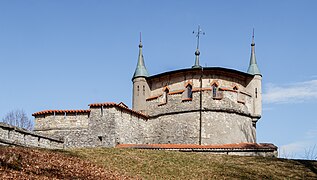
{"x":140,"y":36}
{"x":199,"y":32}
{"x":197,"y":53}
{"x":253,"y":38}
{"x":140,"y":45}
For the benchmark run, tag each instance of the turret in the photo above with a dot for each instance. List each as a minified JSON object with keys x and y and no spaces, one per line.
{"x":255,"y":86}
{"x":140,"y":86}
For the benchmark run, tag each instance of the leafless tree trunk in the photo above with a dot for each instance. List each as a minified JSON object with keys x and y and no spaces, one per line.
{"x":18,"y":118}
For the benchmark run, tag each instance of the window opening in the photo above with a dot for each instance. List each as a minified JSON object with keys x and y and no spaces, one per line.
{"x":143,"y":90}
{"x":100,"y":138}
{"x":256,"y":92}
{"x":189,"y":92}
{"x":138,"y":90}
{"x":214,"y":90}
{"x":165,"y":96}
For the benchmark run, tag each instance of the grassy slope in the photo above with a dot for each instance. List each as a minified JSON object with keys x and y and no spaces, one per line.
{"x":30,"y":163}
{"x":150,"y":164}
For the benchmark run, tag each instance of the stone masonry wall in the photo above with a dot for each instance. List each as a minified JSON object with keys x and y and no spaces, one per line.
{"x":11,"y":135}
{"x":174,"y":129}
{"x":226,"y":128}
{"x":224,"y":120}
{"x":61,"y":121}
{"x":106,"y":127}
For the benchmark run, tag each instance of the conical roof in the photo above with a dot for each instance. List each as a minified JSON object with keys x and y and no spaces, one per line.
{"x":140,"y":70}
{"x":253,"y":67}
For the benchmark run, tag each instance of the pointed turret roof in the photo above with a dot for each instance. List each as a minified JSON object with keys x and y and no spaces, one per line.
{"x":253,"y":67}
{"x":140,"y":70}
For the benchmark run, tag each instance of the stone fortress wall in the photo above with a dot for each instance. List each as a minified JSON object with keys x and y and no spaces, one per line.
{"x":103,"y":125}
{"x":11,"y":135}
{"x":207,"y":117}
{"x":223,"y":119}
{"x":210,"y":108}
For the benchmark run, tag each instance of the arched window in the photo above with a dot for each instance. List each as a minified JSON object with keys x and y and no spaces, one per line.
{"x":214,"y":90}
{"x":164,"y":96}
{"x":189,"y":92}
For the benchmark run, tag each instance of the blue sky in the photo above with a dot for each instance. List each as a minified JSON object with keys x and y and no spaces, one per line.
{"x":67,"y":54}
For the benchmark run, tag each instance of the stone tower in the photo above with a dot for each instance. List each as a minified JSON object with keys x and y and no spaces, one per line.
{"x":255,"y":85}
{"x":140,"y":86}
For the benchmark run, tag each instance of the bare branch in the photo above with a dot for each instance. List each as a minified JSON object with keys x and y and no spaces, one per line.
{"x":18,"y":118}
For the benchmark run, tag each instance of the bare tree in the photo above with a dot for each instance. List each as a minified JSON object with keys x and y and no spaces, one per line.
{"x":311,"y":153}
{"x":18,"y":118}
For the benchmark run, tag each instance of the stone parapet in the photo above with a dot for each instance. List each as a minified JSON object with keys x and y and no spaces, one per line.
{"x":11,"y":135}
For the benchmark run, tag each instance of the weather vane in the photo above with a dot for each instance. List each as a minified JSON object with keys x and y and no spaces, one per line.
{"x":197,"y":53}
{"x":198,"y":33}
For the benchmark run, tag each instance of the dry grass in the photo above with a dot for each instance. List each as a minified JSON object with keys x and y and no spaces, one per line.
{"x":31,"y":163}
{"x":150,"y":164}
{"x":112,"y":163}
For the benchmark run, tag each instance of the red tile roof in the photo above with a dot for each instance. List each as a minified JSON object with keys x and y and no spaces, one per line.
{"x":112,"y":104}
{"x":59,"y":112}
{"x":195,"y":146}
{"x":153,"y":97}
{"x":176,"y":92}
{"x":106,"y":104}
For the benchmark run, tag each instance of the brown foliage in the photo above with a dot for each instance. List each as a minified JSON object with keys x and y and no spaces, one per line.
{"x":28,"y":163}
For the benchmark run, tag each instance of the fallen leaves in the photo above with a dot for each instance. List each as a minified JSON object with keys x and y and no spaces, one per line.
{"x":29,"y":163}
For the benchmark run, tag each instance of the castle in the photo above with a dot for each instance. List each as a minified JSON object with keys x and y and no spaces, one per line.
{"x":195,"y":106}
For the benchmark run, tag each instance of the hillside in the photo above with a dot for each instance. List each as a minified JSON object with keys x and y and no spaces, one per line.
{"x":112,"y":163}
{"x":27,"y":163}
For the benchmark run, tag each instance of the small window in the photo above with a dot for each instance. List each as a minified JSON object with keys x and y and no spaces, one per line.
{"x":165,"y":96}
{"x":100,"y":138}
{"x":138,"y":90}
{"x":188,"y":93}
{"x":256,"y":92}
{"x":143,"y":90}
{"x":214,"y":90}
{"x":235,"y":88}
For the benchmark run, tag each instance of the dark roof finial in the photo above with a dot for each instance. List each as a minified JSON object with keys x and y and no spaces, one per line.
{"x":253,"y":44}
{"x":197,"y":52}
{"x":140,"y":45}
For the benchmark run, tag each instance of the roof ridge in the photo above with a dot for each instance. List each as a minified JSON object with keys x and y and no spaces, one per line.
{"x":49,"y":111}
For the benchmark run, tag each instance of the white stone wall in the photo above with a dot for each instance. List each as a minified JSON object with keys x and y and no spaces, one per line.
{"x":61,"y":121}
{"x":174,"y":129}
{"x":226,"y":128}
